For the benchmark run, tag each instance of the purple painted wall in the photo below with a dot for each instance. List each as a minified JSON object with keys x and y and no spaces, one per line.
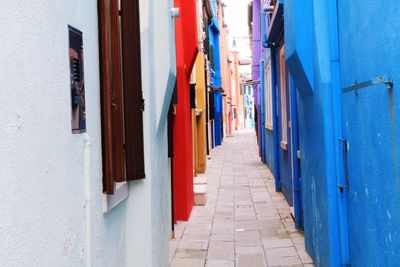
{"x":256,"y":63}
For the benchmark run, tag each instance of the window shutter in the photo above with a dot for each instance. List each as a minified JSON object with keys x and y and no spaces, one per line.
{"x":111,"y":95}
{"x":132,"y":84}
{"x":116,"y":94}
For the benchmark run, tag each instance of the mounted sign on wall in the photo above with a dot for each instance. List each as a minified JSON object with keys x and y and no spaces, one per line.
{"x":78,"y":119}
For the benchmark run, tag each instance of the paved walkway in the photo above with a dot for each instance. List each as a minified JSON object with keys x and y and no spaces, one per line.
{"x":245,"y":222}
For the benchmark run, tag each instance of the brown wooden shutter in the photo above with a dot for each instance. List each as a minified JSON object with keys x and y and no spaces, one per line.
{"x":132,"y":83}
{"x":116,"y":94}
{"x":111,"y":95}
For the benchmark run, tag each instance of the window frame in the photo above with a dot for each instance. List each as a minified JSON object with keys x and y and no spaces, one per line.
{"x":269,"y":122}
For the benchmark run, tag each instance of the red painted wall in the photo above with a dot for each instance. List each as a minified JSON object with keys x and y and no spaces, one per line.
{"x":186,"y":52}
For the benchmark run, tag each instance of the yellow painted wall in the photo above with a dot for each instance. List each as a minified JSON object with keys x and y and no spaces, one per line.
{"x":200,"y":125}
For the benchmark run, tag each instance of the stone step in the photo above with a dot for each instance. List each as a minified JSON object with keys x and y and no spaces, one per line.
{"x":200,"y":197}
{"x":200,"y":180}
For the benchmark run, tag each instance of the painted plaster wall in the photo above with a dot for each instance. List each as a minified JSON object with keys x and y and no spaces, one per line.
{"x":369,"y":48}
{"x":269,"y":141}
{"x":158,"y":78}
{"x":269,"y":149}
{"x":316,"y":125}
{"x":284,"y":156}
{"x":216,"y":79}
{"x":268,"y":134}
{"x":214,"y":38}
{"x":41,"y":178}
{"x":186,"y":47}
{"x":368,"y":124}
{"x":201,"y":120}
{"x":256,"y":65}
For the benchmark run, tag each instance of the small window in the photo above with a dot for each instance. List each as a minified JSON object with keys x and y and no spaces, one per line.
{"x":122,"y":102}
{"x":77,"y":84}
{"x":269,"y":124}
{"x":283,"y":99}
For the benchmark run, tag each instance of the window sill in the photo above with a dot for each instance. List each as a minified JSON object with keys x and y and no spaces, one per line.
{"x":284,"y":145}
{"x":269,"y":127}
{"x":120,"y":194}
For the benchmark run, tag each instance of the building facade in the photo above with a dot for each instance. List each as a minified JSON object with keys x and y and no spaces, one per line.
{"x":340,"y":149}
{"x":56,"y":207}
{"x":186,"y":54}
{"x":215,"y":98}
{"x":354,"y":152}
{"x":284,"y":137}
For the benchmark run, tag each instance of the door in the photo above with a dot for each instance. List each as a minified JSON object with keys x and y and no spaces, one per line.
{"x":297,"y":209}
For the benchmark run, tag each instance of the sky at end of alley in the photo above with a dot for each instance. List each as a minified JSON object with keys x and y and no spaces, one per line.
{"x":236,"y":19}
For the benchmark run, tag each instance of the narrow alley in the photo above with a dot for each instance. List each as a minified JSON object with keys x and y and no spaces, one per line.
{"x":200,"y":133}
{"x":244,"y":222}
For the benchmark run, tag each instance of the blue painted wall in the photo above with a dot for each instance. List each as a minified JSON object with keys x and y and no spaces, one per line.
{"x":369,"y":47}
{"x":361,"y":224}
{"x":218,"y":117}
{"x":285,"y":163}
{"x":269,"y":149}
{"x":271,"y":136}
{"x":215,"y":77}
{"x":313,"y":64}
{"x":276,"y":40}
{"x":268,"y":144}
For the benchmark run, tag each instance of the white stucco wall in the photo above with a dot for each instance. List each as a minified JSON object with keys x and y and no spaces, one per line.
{"x":42,"y":216}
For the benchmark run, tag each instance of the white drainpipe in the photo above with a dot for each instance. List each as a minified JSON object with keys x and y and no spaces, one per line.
{"x":88,"y":199}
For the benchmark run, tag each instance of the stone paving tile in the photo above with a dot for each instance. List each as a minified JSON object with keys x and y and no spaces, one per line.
{"x":281,"y":252}
{"x":250,"y":260}
{"x":248,"y":243}
{"x":277,"y":243}
{"x":221,"y":250}
{"x":220,"y":263}
{"x":284,"y":261}
{"x":190,"y":253}
{"x":244,"y":223}
{"x":191,"y":244}
{"x":178,"y":262}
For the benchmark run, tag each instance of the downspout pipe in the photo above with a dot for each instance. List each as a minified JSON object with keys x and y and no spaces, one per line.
{"x":88,"y":200}
{"x":338,"y":131}
{"x":295,"y":146}
{"x":262,"y":98}
{"x":262,"y":85}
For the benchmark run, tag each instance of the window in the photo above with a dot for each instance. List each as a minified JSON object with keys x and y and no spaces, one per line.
{"x":283,"y":98}
{"x":122,"y":102}
{"x":269,"y":123}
